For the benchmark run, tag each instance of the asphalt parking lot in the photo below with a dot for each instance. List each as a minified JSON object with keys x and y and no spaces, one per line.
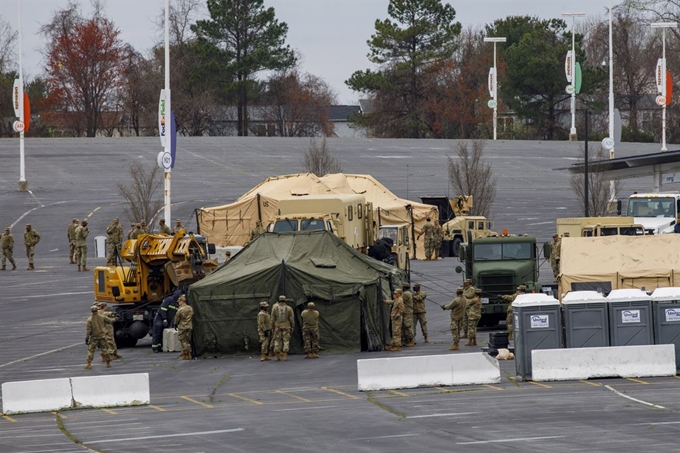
{"x":238,"y":404}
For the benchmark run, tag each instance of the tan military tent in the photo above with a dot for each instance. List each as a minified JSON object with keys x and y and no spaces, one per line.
{"x":614,"y":262}
{"x":230,"y":224}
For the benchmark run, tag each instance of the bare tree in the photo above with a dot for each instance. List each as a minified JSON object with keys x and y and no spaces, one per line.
{"x":469,"y":174}
{"x":141,"y":195}
{"x":8,"y":37}
{"x":599,"y":187}
{"x":319,"y":160}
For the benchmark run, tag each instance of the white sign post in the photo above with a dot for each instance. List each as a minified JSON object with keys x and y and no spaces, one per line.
{"x":493,"y":84}
{"x":660,"y":77}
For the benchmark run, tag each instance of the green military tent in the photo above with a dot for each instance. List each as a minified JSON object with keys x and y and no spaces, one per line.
{"x":347,"y":287}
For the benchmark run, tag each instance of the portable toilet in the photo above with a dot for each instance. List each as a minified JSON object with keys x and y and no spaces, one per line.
{"x":586,"y":319}
{"x":630,"y":317}
{"x":666,"y":309}
{"x":538,"y":325}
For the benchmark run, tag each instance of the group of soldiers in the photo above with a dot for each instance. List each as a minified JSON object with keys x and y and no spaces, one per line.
{"x":77,"y":238}
{"x":434,"y":234}
{"x":279,"y":326}
{"x":99,"y":334}
{"x":408,"y":309}
{"x":466,"y":311}
{"x":31,"y":239}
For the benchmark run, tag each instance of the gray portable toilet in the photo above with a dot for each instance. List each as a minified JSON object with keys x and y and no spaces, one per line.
{"x":630,"y":317}
{"x":586,"y":319}
{"x":538,"y":325}
{"x":666,"y":309}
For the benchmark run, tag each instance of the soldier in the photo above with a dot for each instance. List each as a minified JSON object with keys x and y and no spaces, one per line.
{"x":310,"y":331}
{"x":142,"y":228}
{"x":178,"y":226}
{"x":396,"y":316}
{"x":438,"y":238}
{"x":457,"y":307}
{"x":7,"y":244}
{"x":521,"y":289}
{"x":114,"y":238}
{"x":555,"y":256}
{"x":81,"y":245}
{"x":256,"y":231}
{"x":264,"y":329}
{"x":407,"y":329}
{"x":284,"y":322}
{"x":469,"y":294}
{"x":110,"y":339}
{"x":184,"y":325}
{"x":429,"y":232}
{"x":71,"y":235}
{"x":95,"y":334}
{"x":134,"y":232}
{"x":163,"y":228}
{"x":474,"y":314}
{"x":164,"y":318}
{"x":31,"y":239}
{"x":419,"y":311}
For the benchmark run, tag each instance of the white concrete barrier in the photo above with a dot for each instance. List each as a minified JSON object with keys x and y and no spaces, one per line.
{"x":111,"y":390}
{"x":171,"y":340}
{"x":410,"y":372}
{"x":36,"y":396}
{"x":612,"y":361}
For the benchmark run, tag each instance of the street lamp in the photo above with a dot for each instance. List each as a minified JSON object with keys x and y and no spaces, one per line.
{"x":571,"y":78}
{"x":493,"y":83}
{"x":662,"y":100}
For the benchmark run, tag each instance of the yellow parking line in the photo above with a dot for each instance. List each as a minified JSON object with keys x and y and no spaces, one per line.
{"x":245,"y":398}
{"x":594,"y":384}
{"x":637,"y":380}
{"x":493,"y":387}
{"x":159,"y":409}
{"x":545,"y":386}
{"x":340,"y":393}
{"x":109,"y":411}
{"x":8,"y":418}
{"x":394,"y":392}
{"x":97,"y":209}
{"x":292,"y":395}
{"x":60,"y":415}
{"x":196,"y":402}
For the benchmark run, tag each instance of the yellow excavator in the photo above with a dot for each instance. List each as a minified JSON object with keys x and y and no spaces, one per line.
{"x":147,"y":269}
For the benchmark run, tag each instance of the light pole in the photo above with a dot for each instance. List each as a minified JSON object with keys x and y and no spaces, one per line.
{"x":572,"y":76}
{"x":493,"y":83}
{"x":661,"y":79}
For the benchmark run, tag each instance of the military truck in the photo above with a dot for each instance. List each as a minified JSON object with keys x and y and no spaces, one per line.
{"x":599,"y":226}
{"x":498,"y":265}
{"x":396,"y":236}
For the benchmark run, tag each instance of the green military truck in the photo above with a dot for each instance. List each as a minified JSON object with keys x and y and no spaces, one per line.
{"x":498,"y":265}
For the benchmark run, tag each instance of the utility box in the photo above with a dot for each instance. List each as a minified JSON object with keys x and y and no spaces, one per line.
{"x":630,"y":317}
{"x":100,"y":246}
{"x":538,"y":325}
{"x":586,"y":319}
{"x":666,"y":309}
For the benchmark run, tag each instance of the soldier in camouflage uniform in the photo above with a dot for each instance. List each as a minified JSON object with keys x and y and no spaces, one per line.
{"x":71,"y":235}
{"x":397,"y":316}
{"x":474,"y":314}
{"x":163,"y":228}
{"x":184,"y":326}
{"x":438,"y":238}
{"x":469,"y":294}
{"x":178,"y":226}
{"x":264,"y":329}
{"x":143,"y":228}
{"x":257,"y":230}
{"x":31,"y":239}
{"x":81,"y":245}
{"x":310,"y":331}
{"x":419,"y":311}
{"x":110,"y":339}
{"x":407,"y":329}
{"x":429,"y":232}
{"x":521,"y":289}
{"x":284,"y":322}
{"x":95,"y":334}
{"x":7,"y":245}
{"x":457,"y":307}
{"x":114,"y":238}
{"x":555,"y":255}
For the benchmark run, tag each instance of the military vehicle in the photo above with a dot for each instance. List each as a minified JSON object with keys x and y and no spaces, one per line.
{"x":599,"y":226}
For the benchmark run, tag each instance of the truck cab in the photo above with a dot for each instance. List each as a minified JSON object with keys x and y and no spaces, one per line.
{"x":398,"y":236}
{"x":656,"y":212}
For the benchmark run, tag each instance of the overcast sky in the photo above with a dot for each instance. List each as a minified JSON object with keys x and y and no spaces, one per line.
{"x":330,"y":35}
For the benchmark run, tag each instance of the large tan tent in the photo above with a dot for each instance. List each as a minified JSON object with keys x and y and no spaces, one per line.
{"x":615,"y":262}
{"x":230,"y":224}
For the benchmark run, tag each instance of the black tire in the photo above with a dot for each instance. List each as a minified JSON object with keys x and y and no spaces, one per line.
{"x":456,"y":246}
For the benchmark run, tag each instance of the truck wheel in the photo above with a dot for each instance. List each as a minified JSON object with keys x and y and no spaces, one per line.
{"x":456,"y":246}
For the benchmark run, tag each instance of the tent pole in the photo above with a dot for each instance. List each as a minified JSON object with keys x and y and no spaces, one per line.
{"x":413,"y":231}
{"x":259,"y":209}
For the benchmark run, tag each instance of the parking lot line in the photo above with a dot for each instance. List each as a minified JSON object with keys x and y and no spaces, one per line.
{"x":594,"y":384}
{"x":545,"y":386}
{"x":197,"y":402}
{"x":340,"y":392}
{"x":159,"y":409}
{"x":639,"y":381}
{"x":108,"y":411}
{"x":493,"y":387}
{"x":8,"y":418}
{"x":292,"y":395}
{"x":245,"y":398}
{"x":394,"y":392}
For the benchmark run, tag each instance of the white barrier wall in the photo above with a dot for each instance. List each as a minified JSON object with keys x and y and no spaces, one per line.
{"x":612,"y":361}
{"x":71,"y":393}
{"x":36,"y":396}
{"x":410,"y":372}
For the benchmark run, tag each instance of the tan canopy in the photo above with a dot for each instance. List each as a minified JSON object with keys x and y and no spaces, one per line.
{"x":230,"y":224}
{"x":623,"y":261}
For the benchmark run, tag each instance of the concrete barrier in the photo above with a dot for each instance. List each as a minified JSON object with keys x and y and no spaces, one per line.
{"x":612,"y":361}
{"x":36,"y":396}
{"x":111,"y":390}
{"x":171,"y":340}
{"x":410,"y":372}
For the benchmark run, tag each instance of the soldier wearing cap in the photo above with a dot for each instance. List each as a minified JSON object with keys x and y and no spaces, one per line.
{"x":457,"y":307}
{"x":95,"y":334}
{"x":397,"y":316}
{"x":521,"y":289}
{"x":284,"y":322}
{"x":163,"y":228}
{"x":143,"y":228}
{"x":184,"y":326}
{"x":31,"y":239}
{"x":7,"y":245}
{"x":71,"y":235}
{"x":474,"y":314}
{"x":134,"y":232}
{"x":555,"y":255}
{"x":419,"y":311}
{"x":407,"y":330}
{"x":469,"y":294}
{"x":114,"y":239}
{"x":310,"y":331}
{"x":81,"y":245}
{"x":429,"y":231}
{"x":178,"y":226}
{"x":256,"y":231}
{"x":264,"y":329}
{"x":110,"y":339}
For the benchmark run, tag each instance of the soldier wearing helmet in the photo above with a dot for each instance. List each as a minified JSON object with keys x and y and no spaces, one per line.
{"x":264,"y":329}
{"x":419,"y":311}
{"x":310,"y":331}
{"x":71,"y":234}
{"x":284,"y":322}
{"x":521,"y":289}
